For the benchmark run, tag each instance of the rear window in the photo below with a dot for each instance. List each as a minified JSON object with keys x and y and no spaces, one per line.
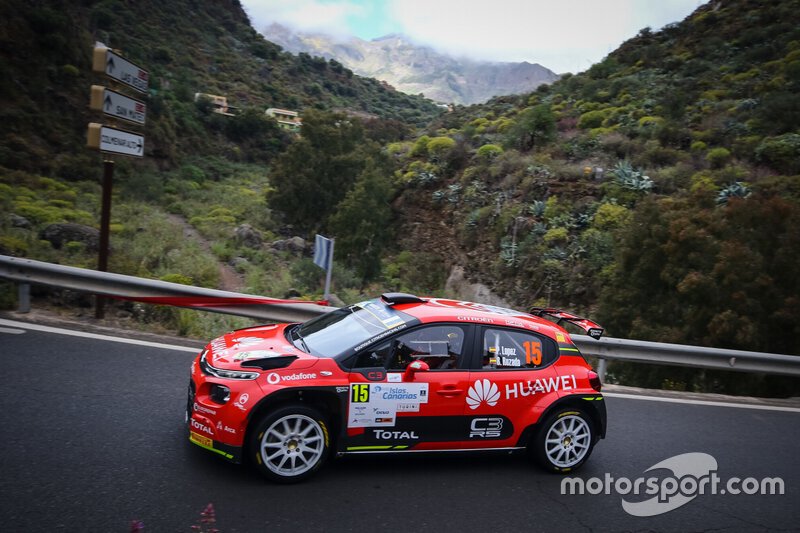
{"x":514,"y":349}
{"x":347,"y":328}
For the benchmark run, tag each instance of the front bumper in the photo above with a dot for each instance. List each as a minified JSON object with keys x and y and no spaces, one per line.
{"x":231,"y":453}
{"x":205,"y":426}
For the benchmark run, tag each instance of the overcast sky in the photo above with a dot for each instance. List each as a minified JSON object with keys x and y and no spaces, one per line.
{"x":562,"y":35}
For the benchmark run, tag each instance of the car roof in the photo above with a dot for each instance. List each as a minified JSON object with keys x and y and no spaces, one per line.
{"x":428,"y":310}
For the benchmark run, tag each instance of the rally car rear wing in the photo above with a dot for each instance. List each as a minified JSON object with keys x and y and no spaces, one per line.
{"x":595,"y":331}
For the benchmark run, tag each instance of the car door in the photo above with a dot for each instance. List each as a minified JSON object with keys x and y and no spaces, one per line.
{"x":409,"y":392}
{"x":513,"y":382}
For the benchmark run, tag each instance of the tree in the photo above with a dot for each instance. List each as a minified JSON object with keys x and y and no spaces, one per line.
{"x":361,"y":222}
{"x":318,"y":170}
{"x":534,"y":127}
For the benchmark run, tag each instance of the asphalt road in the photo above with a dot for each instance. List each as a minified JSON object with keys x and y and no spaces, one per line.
{"x":93,"y":438}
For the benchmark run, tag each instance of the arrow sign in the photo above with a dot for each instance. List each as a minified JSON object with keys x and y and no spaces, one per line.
{"x":115,"y":141}
{"x":117,"y":105}
{"x":117,"y":67}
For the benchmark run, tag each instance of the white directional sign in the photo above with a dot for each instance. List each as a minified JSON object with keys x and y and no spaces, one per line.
{"x":118,"y":105}
{"x":115,"y":141}
{"x":117,"y":67}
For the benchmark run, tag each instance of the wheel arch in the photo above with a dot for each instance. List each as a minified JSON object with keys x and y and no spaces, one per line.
{"x":589,"y":404}
{"x":327,"y":402}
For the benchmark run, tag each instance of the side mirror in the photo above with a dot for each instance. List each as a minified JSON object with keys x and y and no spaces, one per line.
{"x":413,"y":368}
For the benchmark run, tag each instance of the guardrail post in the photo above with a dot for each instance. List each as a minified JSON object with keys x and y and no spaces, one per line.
{"x":24,"y":298}
{"x":601,"y":369}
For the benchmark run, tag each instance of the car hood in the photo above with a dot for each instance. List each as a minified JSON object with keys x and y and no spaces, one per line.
{"x":233,"y":349}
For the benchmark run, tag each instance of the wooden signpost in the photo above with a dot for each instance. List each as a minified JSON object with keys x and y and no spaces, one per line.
{"x":109,"y":139}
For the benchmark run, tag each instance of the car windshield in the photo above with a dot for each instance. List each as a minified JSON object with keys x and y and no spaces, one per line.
{"x":345,"y":328}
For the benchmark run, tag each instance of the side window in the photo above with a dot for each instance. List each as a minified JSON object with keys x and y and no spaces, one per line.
{"x":441,"y":346}
{"x":374,"y":357}
{"x":504,"y":348}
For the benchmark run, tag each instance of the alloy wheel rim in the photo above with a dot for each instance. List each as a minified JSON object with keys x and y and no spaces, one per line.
{"x":567,"y":441}
{"x":292,"y":445}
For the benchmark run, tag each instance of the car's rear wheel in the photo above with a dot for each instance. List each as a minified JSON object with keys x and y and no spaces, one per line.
{"x":564,"y":441}
{"x":290,"y":444}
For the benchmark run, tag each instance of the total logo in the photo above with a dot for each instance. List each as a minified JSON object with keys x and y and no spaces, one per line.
{"x":274,"y":379}
{"x":387,"y":435}
{"x":482,"y":391}
{"x":201,"y":427}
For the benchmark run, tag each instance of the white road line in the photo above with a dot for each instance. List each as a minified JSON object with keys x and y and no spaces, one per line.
{"x":702,"y":402}
{"x":12,"y":331}
{"x":48,"y":329}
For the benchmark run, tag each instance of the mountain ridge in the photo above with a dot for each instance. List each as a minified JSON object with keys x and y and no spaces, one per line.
{"x":416,"y":69}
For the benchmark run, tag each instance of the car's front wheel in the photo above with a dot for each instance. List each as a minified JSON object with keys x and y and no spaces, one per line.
{"x":290,"y":444}
{"x":564,"y":441}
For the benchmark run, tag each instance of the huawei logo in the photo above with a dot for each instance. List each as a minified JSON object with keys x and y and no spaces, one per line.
{"x":482,"y":391}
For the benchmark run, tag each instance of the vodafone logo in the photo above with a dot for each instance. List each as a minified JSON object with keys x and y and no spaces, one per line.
{"x":274,"y":378}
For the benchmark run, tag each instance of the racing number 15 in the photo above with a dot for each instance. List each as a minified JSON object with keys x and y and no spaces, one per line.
{"x":533,"y":352}
{"x":360,"y":393}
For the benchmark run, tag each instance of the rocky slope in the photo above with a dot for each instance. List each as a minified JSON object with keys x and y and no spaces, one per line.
{"x":415,"y":69}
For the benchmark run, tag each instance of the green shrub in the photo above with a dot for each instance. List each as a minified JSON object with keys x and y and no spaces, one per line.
{"x":415,"y":272}
{"x":592,"y":119}
{"x":611,"y":216}
{"x":698,"y":146}
{"x":39,"y":214}
{"x":556,"y":236}
{"x":13,"y":245}
{"x":74,"y":247}
{"x":439,"y":147}
{"x":177,"y":278}
{"x":193,"y":173}
{"x":646,"y":122}
{"x":489,"y":151}
{"x":70,"y":71}
{"x":420,"y":147}
{"x":718,"y":157}
{"x":783,"y":152}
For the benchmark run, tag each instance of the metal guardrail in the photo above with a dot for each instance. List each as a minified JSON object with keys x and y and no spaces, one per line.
{"x":685,"y":355}
{"x":28,"y":271}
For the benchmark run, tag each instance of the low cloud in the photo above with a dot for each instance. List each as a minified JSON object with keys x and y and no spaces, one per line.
{"x":563,"y":35}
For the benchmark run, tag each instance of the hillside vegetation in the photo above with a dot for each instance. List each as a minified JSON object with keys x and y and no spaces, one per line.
{"x":209,"y":169}
{"x":657,"y":192}
{"x":188,"y":47}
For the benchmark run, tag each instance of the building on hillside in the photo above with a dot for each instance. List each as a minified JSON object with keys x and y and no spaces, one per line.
{"x":288,"y":120}
{"x":219,"y":103}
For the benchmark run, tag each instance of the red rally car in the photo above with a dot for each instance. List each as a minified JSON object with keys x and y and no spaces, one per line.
{"x":397,"y":374}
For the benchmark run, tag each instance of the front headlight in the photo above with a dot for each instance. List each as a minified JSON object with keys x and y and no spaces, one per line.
{"x":221,"y":373}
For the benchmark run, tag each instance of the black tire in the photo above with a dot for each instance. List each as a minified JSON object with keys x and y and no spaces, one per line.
{"x":564,"y":441}
{"x":290,"y":444}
